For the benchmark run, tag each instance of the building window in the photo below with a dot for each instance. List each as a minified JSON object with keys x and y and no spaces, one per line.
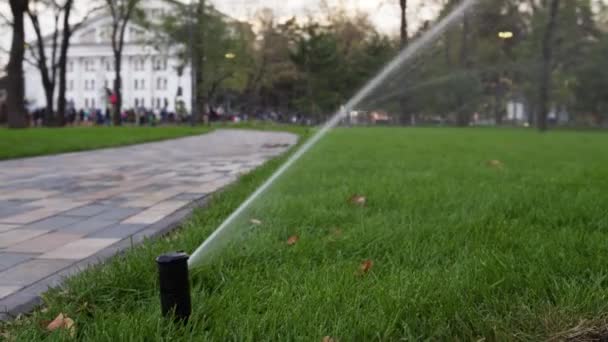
{"x":143,"y":84}
{"x":109,"y":66}
{"x":160,"y":64}
{"x":70,"y":66}
{"x":139,"y":64}
{"x":89,"y":65}
{"x":86,"y":103}
{"x":71,"y":85}
{"x":136,"y":103}
{"x":89,"y":84}
{"x":93,"y":103}
{"x":166,"y":102}
{"x":158,"y":103}
{"x":161,"y":83}
{"x":136,"y":84}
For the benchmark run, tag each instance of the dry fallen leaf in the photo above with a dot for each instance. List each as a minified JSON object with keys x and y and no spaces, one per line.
{"x":293,"y":240}
{"x":357,"y":200}
{"x":328,"y":339}
{"x":62,"y":322}
{"x":495,"y":163}
{"x":365,"y":266}
{"x":256,"y":222}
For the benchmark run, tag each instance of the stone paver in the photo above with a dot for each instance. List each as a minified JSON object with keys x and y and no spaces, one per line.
{"x":16,"y":236}
{"x":7,"y":227}
{"x":8,"y":260}
{"x":120,"y":231}
{"x":79,"y":249}
{"x":8,"y":290}
{"x":54,"y":222}
{"x":87,"y":210}
{"x":31,"y":271}
{"x":44,"y":243}
{"x":61,"y":213}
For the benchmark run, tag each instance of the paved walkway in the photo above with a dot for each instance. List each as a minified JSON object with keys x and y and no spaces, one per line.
{"x":61,"y":213}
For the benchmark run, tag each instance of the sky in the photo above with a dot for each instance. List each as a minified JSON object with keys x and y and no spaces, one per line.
{"x":384,"y":13}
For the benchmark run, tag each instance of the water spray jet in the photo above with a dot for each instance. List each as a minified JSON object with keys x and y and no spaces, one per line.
{"x":172,"y":265}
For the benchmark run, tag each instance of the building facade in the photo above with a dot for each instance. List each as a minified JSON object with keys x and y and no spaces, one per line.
{"x":153,"y":77}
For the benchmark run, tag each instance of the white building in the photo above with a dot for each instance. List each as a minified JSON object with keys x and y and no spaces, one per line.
{"x":152,"y":77}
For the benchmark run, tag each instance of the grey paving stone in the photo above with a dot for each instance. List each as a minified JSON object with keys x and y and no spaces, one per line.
{"x":8,"y":290}
{"x":120,"y":231}
{"x":79,"y":249}
{"x":11,"y":208}
{"x":31,"y":271}
{"x":54,"y":222}
{"x":15,"y":236}
{"x":87,"y":210}
{"x":7,"y":227}
{"x":43,"y":243}
{"x":117,"y":214}
{"x":87,"y":226}
{"x":189,"y":196}
{"x":8,"y":260}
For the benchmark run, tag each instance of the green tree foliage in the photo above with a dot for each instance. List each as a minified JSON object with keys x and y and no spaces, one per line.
{"x":312,"y":67}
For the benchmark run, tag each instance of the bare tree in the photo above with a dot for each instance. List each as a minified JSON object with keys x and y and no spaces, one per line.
{"x":16,"y":92}
{"x":63,"y":59}
{"x":121,"y":11}
{"x":547,"y":65}
{"x":54,"y":66}
{"x":48,"y":68}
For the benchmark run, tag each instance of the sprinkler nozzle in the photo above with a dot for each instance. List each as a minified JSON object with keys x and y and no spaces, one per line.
{"x":174,"y":285}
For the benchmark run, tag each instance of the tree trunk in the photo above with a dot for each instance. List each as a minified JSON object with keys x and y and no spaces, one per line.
{"x":63,"y":61}
{"x":17,"y":116}
{"x":464,"y":119}
{"x":200,"y":99}
{"x":404,"y":36}
{"x":49,"y":92}
{"x":62,"y":64}
{"x":547,"y":66}
{"x":406,"y":115}
{"x":116,"y":118}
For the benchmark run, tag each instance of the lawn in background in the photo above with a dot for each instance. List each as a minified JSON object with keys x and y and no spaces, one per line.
{"x":473,"y":233}
{"x":45,"y":141}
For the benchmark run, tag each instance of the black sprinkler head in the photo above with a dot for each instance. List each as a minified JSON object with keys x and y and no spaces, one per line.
{"x":174,"y":285}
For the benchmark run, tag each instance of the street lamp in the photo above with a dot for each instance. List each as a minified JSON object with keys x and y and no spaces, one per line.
{"x":230,"y":55}
{"x":505,"y":35}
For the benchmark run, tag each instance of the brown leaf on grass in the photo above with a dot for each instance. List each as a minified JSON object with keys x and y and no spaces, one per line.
{"x":365,"y":267}
{"x":328,"y":339}
{"x":337,"y":232}
{"x":293,"y":240}
{"x":256,"y":222}
{"x":495,"y":164}
{"x":62,"y":322}
{"x":357,"y":200}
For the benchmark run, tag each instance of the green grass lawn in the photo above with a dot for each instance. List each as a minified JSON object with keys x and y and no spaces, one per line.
{"x":45,"y":141}
{"x":462,"y":248}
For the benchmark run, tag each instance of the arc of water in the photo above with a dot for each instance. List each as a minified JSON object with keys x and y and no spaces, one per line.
{"x":407,"y":54}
